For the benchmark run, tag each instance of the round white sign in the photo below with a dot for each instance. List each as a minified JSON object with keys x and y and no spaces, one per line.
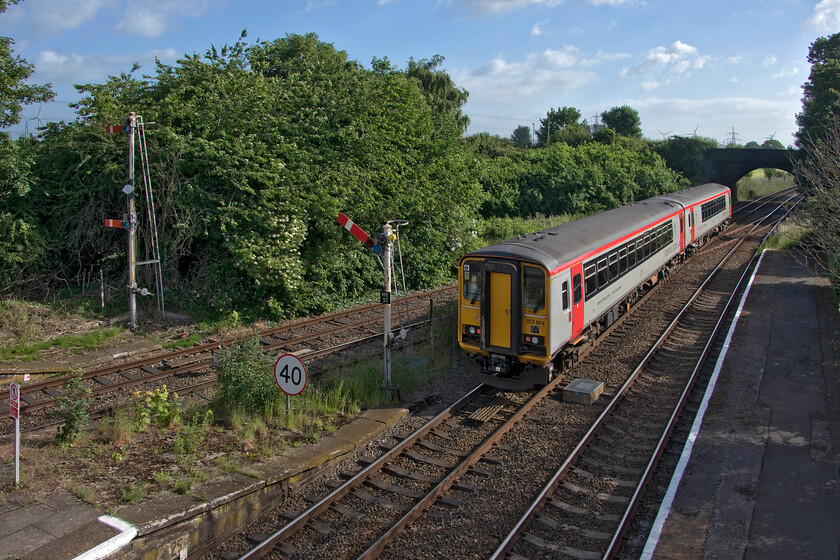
{"x":290,"y":374}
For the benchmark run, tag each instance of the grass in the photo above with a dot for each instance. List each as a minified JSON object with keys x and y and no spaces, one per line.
{"x":78,"y":344}
{"x":787,"y":236}
{"x":757,"y":183}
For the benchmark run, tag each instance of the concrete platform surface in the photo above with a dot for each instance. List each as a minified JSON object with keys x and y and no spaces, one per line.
{"x":763,"y":480}
{"x":63,"y":527}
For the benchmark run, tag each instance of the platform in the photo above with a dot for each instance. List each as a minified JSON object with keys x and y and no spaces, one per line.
{"x":762,"y":479}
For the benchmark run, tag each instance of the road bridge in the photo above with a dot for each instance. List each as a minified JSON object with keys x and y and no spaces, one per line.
{"x":727,"y":165}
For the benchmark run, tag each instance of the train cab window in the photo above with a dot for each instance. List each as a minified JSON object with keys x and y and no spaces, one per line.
{"x":533,"y":293}
{"x":622,"y":260}
{"x":565,"y":295}
{"x":472,"y":281}
{"x":614,"y":266}
{"x":577,"y":287}
{"x":591,"y":279}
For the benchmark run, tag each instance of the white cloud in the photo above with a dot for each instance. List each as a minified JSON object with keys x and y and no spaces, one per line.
{"x":538,"y":28}
{"x":787,"y":73}
{"x":54,"y":66}
{"x":716,"y":116}
{"x":826,"y":16}
{"x":612,"y":2}
{"x":487,"y":7}
{"x":153,"y":18}
{"x":737,"y":59}
{"x":667,"y":62}
{"x":769,"y":61}
{"x":500,"y":82}
{"x":48,"y":17}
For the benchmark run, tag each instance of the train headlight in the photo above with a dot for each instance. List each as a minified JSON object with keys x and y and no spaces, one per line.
{"x":471,"y":330}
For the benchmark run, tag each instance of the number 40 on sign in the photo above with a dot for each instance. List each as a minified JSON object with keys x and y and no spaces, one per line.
{"x":290,"y":374}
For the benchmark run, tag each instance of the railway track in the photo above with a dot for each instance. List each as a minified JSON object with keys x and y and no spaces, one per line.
{"x":189,"y":372}
{"x":587,"y":506}
{"x":422,"y":507}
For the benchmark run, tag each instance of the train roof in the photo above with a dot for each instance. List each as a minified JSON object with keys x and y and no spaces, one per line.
{"x":697,"y":194}
{"x":559,"y":245}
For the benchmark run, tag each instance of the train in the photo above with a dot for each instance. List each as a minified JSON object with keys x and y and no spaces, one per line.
{"x":529,"y":305}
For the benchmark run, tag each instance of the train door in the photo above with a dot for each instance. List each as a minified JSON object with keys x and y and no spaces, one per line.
{"x":577,"y":299}
{"x":501,"y":310}
{"x":691,"y":224}
{"x":682,"y":233}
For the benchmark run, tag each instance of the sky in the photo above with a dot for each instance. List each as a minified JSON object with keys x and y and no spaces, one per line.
{"x":707,"y":67}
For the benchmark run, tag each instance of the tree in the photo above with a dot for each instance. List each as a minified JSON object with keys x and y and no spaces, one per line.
{"x":772,"y":144}
{"x":554,"y":122}
{"x":21,"y":242}
{"x":439,"y":89}
{"x":14,"y":71}
{"x":817,"y":173}
{"x":821,"y":93}
{"x":623,"y":120}
{"x":686,"y":155}
{"x":522,"y":136}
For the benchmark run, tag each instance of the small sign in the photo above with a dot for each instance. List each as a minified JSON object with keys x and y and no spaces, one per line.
{"x":290,"y":374}
{"x":384,"y":297}
{"x":14,"y":400}
{"x":113,"y":129}
{"x":113,"y":223}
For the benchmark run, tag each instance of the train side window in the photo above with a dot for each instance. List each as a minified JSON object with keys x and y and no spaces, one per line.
{"x":622,"y":260}
{"x":614,"y":265}
{"x":576,"y":285}
{"x":533,"y":292}
{"x":631,"y":256}
{"x":646,"y":246}
{"x":565,"y":294}
{"x":472,"y":281}
{"x":591,"y":279}
{"x":603,"y":273}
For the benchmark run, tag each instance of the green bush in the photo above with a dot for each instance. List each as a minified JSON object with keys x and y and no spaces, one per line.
{"x":244,"y":381}
{"x":74,"y":408}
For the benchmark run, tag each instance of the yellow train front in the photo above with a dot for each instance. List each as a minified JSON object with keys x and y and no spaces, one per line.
{"x":510,"y":342}
{"x":527,"y":304}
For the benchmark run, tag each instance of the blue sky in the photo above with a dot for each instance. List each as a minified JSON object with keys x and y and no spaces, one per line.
{"x":704,"y":66}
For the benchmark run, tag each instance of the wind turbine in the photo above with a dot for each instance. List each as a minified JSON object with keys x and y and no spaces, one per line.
{"x":664,"y":134}
{"x":36,"y":118}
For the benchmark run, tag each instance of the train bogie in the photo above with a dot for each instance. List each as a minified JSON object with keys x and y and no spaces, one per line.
{"x":528,"y":304}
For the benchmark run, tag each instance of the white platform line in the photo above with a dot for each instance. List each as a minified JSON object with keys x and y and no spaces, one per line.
{"x":127,"y":533}
{"x":668,"y":501}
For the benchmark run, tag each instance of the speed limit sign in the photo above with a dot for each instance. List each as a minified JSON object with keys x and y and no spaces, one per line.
{"x":14,"y":400}
{"x":290,"y":374}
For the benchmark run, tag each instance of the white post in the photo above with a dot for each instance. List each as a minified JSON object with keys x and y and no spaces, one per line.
{"x":387,"y":232}
{"x":17,"y":450}
{"x":132,"y":224}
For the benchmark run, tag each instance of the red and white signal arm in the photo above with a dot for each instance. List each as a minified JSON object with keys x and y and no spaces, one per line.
{"x":290,"y":374}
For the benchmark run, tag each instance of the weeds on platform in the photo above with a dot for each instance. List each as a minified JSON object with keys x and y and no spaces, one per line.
{"x":73,"y":406}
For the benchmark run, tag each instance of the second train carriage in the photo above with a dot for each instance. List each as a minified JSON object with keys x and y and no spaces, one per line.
{"x":526,"y":304}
